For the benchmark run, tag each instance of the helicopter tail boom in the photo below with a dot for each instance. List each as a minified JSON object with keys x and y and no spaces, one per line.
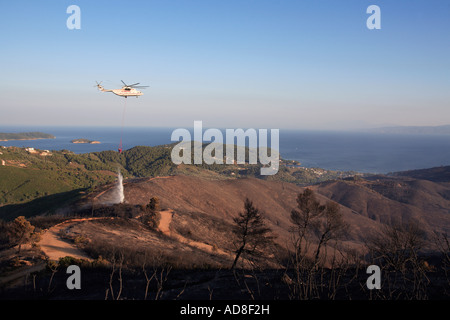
{"x":101,"y":88}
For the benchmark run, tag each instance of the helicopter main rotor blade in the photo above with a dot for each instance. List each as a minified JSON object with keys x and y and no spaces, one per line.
{"x":141,"y":87}
{"x":131,"y":85}
{"x":124,"y":83}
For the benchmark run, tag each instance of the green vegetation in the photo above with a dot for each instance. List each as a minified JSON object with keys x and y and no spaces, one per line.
{"x":25,"y":136}
{"x":38,"y":183}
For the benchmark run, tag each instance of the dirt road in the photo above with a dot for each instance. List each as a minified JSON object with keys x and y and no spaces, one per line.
{"x":164,"y":223}
{"x":54,"y":247}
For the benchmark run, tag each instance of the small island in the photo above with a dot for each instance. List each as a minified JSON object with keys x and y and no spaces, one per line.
{"x":25,"y":136}
{"x":85,"y":141}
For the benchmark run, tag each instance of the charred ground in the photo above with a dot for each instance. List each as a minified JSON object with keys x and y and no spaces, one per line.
{"x":191,"y":258}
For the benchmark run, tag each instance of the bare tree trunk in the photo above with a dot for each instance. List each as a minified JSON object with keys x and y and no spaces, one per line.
{"x":238,"y":254}
{"x":161,"y":280}
{"x":53,"y":267}
{"x":111,"y":276}
{"x":148,"y":279}
{"x":120,"y":276}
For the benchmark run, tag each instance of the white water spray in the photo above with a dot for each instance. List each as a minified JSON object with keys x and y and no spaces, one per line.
{"x":115,"y":194}
{"x":119,"y":196}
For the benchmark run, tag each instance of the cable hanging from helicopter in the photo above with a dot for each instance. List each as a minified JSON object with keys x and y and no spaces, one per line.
{"x":126,"y":91}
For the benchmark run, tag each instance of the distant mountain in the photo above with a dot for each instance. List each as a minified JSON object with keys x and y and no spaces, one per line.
{"x":445,"y":129}
{"x":437,"y":174}
{"x":25,"y":136}
{"x":389,"y":200}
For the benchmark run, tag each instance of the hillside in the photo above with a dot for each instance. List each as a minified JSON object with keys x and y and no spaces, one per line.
{"x":25,"y":136}
{"x":366,"y":205}
{"x":27,"y":177}
{"x":193,"y":239}
{"x":195,"y":231}
{"x":437,"y":174}
{"x":394,"y":201}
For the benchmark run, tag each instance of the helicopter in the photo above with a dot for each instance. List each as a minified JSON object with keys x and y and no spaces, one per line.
{"x":125,"y":91}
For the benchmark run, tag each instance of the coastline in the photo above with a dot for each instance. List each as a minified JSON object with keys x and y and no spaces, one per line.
{"x":343,"y":151}
{"x":31,"y":139}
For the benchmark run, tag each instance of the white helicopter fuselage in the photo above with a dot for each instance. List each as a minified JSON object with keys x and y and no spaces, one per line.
{"x":124,"y":92}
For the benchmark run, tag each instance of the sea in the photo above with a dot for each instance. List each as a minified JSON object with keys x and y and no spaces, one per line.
{"x":364,"y":152}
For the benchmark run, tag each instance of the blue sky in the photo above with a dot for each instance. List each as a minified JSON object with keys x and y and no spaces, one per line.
{"x":260,"y":64}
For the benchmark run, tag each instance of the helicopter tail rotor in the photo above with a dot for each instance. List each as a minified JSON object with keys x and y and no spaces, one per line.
{"x":99,"y":85}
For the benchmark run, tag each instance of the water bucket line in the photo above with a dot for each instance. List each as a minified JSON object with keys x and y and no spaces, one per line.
{"x":123,"y":124}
